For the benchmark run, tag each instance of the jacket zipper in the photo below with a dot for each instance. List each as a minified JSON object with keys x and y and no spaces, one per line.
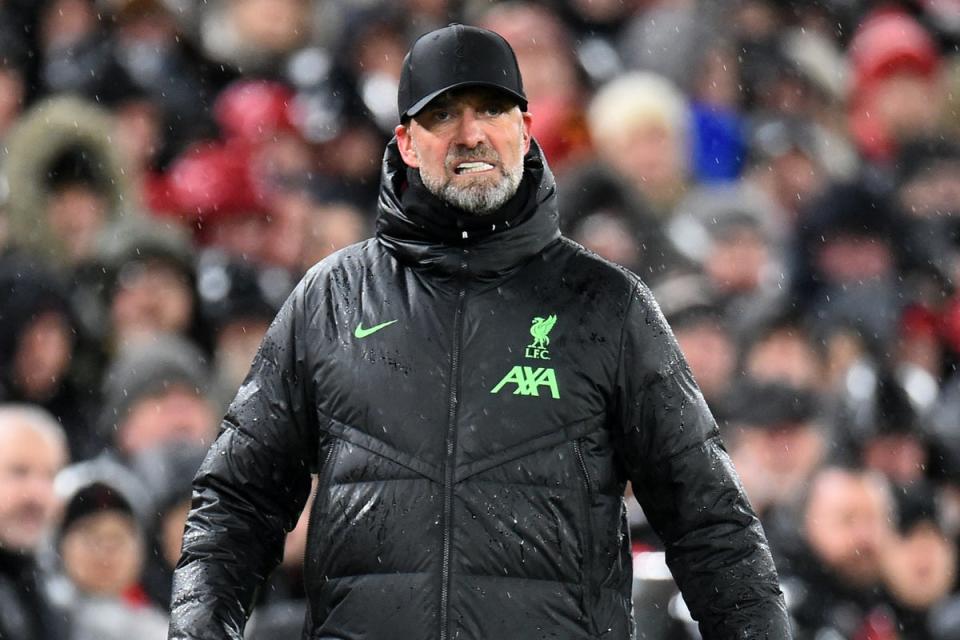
{"x":321,"y":481}
{"x":449,"y":465}
{"x":588,"y":590}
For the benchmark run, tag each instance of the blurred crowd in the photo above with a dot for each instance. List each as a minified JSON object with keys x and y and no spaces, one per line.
{"x":785,"y":175}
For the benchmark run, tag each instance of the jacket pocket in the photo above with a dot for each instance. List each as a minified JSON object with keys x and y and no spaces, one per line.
{"x":588,"y":589}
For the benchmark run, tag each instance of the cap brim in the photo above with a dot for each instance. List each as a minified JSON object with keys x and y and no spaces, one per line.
{"x":423,"y":102}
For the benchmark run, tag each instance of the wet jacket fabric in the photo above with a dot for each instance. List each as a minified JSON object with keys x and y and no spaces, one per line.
{"x":473,"y":395}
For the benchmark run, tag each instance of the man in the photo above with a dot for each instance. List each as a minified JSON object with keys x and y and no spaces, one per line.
{"x":474,"y":392}
{"x":834,"y":575}
{"x":32,"y":449}
{"x":154,"y":394}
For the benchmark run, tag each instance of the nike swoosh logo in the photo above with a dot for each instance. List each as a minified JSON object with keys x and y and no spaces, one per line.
{"x":360,"y":332}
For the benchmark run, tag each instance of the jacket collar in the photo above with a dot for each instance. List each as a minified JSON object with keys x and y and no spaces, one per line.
{"x":437,"y":237}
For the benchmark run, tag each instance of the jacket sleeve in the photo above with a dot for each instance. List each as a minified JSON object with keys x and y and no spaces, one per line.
{"x":249,"y":490}
{"x":684,"y":480}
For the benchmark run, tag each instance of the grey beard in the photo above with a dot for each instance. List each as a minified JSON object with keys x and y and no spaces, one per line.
{"x":478,"y":199}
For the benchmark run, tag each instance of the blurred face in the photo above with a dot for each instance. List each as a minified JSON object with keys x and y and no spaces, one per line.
{"x":328,"y":229}
{"x":177,"y":415}
{"x":240,"y":235}
{"x":282,"y":32}
{"x":711,"y":355}
{"x":610,"y":237}
{"x":901,"y":457}
{"x":846,"y":258}
{"x":920,"y":567}
{"x":783,"y":456}
{"x":847,"y":524}
{"x":908,"y":104}
{"x":468,"y":146}
{"x":152,"y":298}
{"x":540,"y":42}
{"x":785,"y":357}
{"x":934,"y":192}
{"x":649,"y":156}
{"x":76,"y":214}
{"x":103,"y":553}
{"x":797,"y":179}
{"x":284,"y":238}
{"x":138,"y":134}
{"x":29,"y":460}
{"x":237,"y":344}
{"x":43,"y":355}
{"x":604,"y":11}
{"x":719,"y":78}
{"x":66,"y":22}
{"x":736,"y":261}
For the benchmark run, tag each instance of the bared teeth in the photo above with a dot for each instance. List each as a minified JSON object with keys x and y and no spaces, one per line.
{"x":473,"y":167}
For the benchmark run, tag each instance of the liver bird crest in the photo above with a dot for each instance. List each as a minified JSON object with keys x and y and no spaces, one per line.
{"x":540,"y":328}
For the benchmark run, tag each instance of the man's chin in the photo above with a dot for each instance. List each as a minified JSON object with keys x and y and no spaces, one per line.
{"x":489,"y":179}
{"x":476,"y":199}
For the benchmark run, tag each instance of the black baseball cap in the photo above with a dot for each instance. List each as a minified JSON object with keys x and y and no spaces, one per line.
{"x":457,"y":56}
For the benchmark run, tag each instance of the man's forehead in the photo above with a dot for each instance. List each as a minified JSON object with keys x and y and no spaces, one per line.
{"x":465,"y":95}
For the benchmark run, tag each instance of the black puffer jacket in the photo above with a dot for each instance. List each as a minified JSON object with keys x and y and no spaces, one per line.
{"x":474,"y":407}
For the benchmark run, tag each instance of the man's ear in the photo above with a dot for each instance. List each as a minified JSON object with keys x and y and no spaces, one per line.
{"x":405,"y":145}
{"x":527,"y":122}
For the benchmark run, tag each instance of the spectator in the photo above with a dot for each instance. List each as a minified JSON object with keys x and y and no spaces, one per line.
{"x":849,"y":257}
{"x":776,"y":439}
{"x":640,"y":126}
{"x":238,"y":306}
{"x":605,"y":214}
{"x":897,"y":86}
{"x":156,"y":393}
{"x":737,"y":256}
{"x":32,"y":451}
{"x":704,"y":336}
{"x":552,"y":79}
{"x":833,"y":577}
{"x":101,"y":545}
{"x":330,"y":227}
{"x":787,"y":163}
{"x":781,"y":349}
{"x":920,"y":567}
{"x":150,"y":285}
{"x":216,"y":195}
{"x":887,"y":428}
{"x":38,"y":344}
{"x":235,"y":32}
{"x":64,"y":171}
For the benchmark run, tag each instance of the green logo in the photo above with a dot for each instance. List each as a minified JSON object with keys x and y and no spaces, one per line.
{"x":540,"y":330}
{"x":529,"y":380}
{"x":360,"y":332}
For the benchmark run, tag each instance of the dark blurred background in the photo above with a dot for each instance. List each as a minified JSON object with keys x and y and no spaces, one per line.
{"x":785,"y":175}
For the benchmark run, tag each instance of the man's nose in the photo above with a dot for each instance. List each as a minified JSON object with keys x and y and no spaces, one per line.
{"x":38,"y":489}
{"x":470,"y":132}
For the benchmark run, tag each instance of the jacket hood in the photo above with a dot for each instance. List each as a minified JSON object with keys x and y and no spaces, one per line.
{"x":472,"y":248}
{"x":46,"y":131}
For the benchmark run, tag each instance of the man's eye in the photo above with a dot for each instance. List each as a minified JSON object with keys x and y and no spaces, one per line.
{"x":494,"y":110}
{"x":441,"y":116}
